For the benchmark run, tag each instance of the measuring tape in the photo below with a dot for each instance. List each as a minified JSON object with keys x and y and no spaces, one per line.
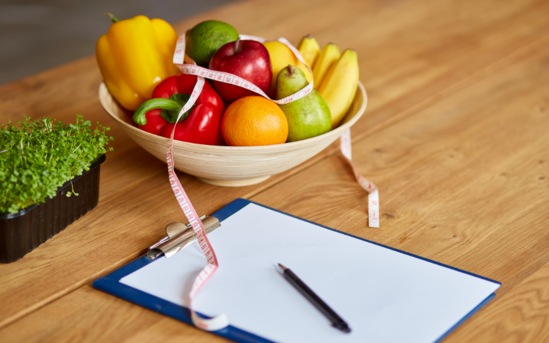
{"x":188,"y":66}
{"x":192,"y":69}
{"x":373,"y":194}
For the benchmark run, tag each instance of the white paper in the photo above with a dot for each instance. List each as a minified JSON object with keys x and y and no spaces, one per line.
{"x":384,"y":295}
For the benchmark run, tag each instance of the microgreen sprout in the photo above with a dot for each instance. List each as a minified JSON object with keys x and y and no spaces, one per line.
{"x":37,"y":157}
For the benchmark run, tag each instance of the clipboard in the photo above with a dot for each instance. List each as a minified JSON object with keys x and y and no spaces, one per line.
{"x":385,"y":299}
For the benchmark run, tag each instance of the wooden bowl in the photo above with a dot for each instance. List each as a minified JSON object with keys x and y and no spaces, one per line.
{"x":226,"y":165}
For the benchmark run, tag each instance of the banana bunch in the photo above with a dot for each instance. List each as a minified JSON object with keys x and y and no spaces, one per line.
{"x":335,"y":75}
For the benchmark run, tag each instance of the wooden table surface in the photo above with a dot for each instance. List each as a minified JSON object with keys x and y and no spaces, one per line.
{"x":456,"y":137}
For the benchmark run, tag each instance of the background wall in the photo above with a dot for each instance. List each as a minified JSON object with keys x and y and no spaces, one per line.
{"x":39,"y":35}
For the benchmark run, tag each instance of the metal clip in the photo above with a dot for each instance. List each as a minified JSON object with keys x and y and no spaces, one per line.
{"x":179,"y":236}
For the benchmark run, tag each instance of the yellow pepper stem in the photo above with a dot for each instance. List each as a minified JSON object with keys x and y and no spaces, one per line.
{"x":113,"y":18}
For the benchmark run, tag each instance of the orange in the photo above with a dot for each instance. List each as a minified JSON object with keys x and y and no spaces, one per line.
{"x":254,"y":120}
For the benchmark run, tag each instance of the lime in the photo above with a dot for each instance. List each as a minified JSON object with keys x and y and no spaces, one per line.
{"x":203,"y":40}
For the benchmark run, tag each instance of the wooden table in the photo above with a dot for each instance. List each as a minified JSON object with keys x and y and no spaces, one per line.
{"x":456,"y":136}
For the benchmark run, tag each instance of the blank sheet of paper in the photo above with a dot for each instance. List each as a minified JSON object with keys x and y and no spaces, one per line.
{"x":384,"y":295}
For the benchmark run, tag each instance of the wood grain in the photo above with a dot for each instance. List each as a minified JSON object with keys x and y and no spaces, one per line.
{"x":521,"y":315}
{"x":73,"y":323}
{"x":448,"y":169}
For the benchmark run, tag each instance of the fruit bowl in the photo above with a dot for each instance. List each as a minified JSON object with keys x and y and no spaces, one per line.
{"x":231,"y":166}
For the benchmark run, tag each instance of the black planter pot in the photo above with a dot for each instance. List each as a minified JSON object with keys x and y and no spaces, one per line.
{"x":25,"y":230}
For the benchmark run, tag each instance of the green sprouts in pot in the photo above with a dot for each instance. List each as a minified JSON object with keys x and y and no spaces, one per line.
{"x":37,"y":157}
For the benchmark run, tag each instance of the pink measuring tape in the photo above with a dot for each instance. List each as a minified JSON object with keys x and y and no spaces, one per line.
{"x":179,"y":59}
{"x":373,"y":194}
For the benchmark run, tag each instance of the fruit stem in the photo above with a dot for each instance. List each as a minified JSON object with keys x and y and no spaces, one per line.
{"x":139,"y":116}
{"x":291,"y":69}
{"x":113,"y":18}
{"x":237,"y":45}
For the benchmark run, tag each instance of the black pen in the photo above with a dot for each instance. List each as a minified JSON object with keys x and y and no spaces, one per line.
{"x":336,"y":320}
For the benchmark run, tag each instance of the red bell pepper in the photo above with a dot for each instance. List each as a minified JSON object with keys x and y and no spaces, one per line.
{"x":201,"y":124}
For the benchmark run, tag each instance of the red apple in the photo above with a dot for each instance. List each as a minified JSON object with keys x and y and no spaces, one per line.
{"x":245,"y":58}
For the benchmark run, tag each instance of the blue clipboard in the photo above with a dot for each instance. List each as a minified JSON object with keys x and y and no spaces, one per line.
{"x":110,"y":283}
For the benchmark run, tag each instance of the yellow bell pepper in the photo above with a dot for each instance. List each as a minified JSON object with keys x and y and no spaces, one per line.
{"x":134,"y":56}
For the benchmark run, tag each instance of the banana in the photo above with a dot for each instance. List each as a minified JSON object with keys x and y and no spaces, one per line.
{"x":339,"y":85}
{"x":329,"y":55}
{"x":309,"y":49}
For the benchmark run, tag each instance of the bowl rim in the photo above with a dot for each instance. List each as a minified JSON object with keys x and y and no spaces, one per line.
{"x":181,"y":144}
